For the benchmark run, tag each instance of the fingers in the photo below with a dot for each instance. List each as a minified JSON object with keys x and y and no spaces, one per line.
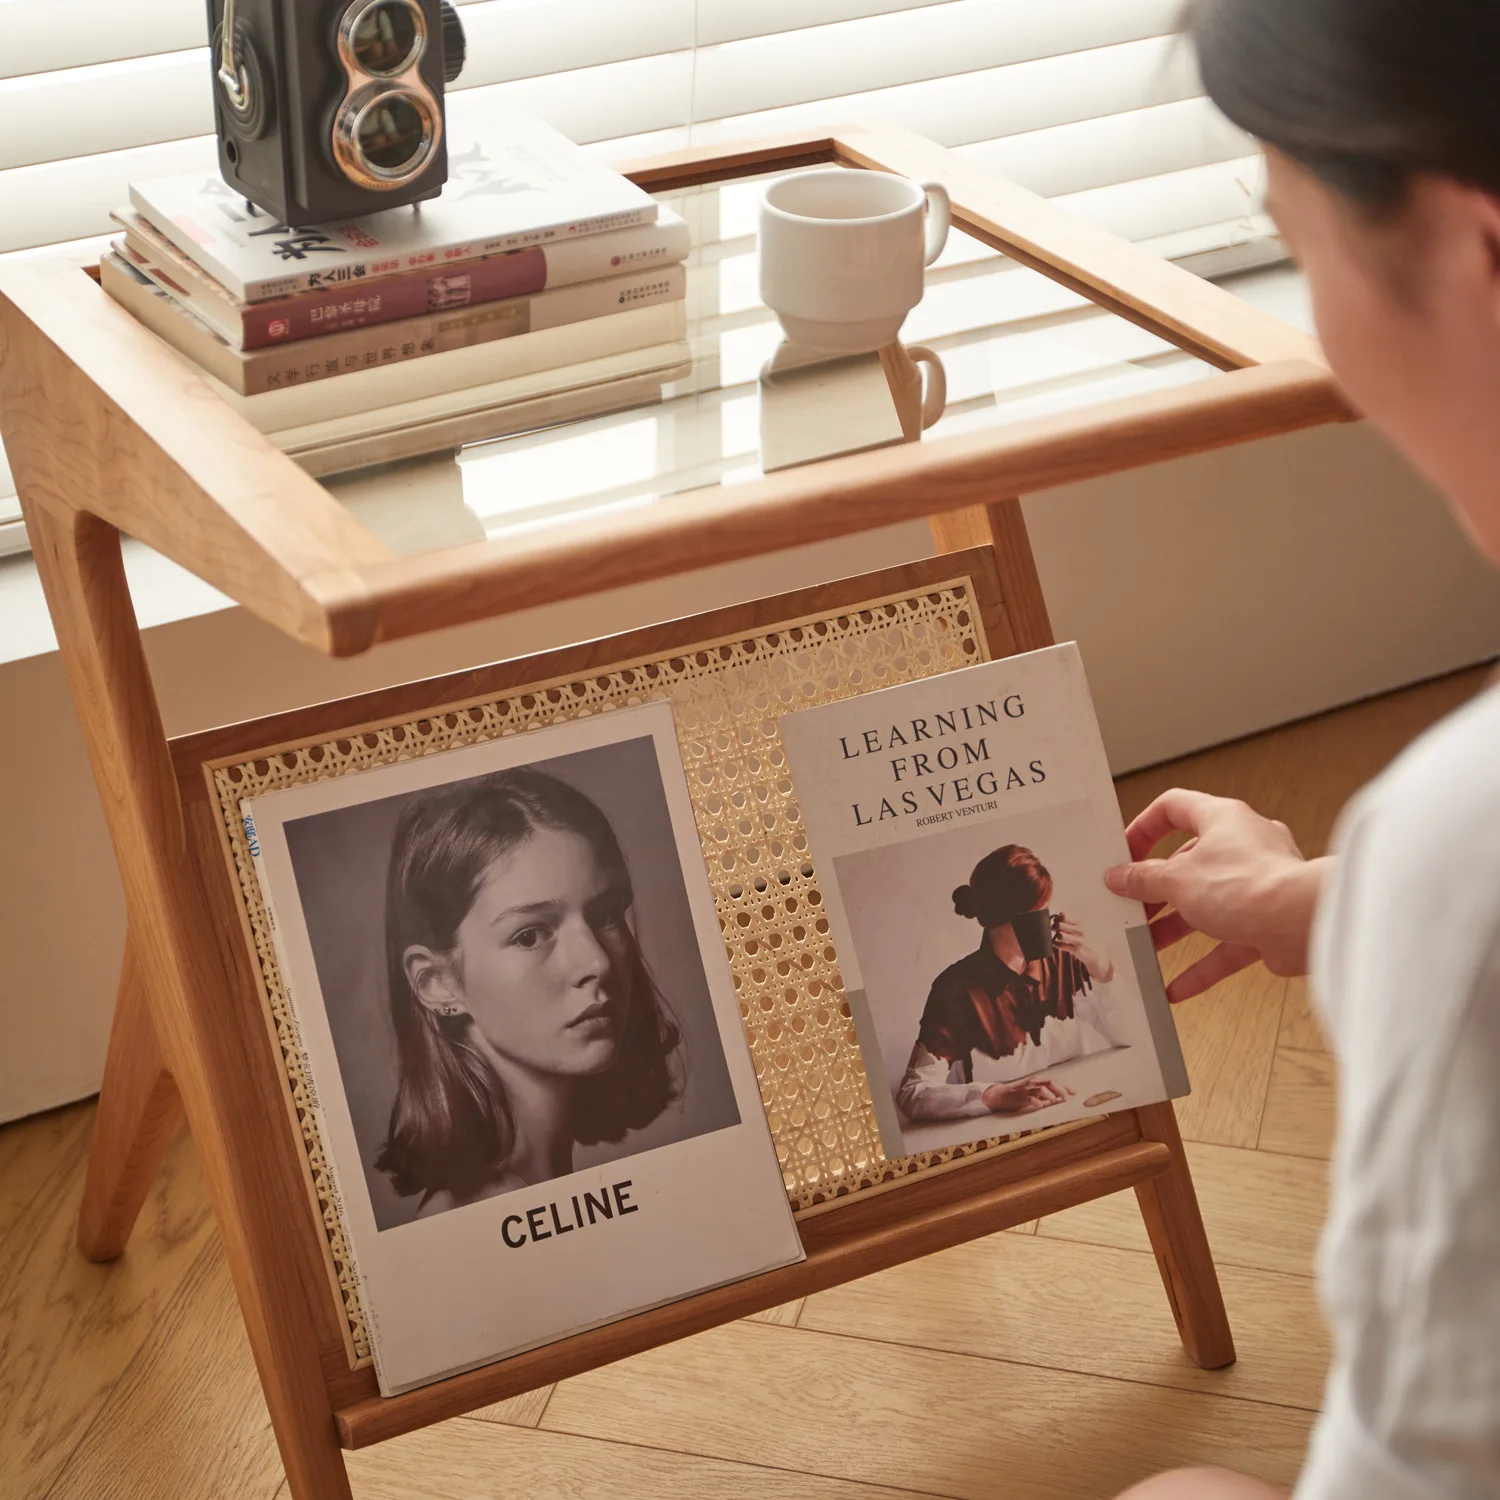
{"x":1178,"y":810}
{"x":1147,"y":880}
{"x":1048,"y":1091}
{"x":1170,"y":929}
{"x":1220,"y":963}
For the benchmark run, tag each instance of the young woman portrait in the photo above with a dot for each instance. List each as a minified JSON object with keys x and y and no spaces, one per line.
{"x":526,"y":1020}
{"x":1017,"y":1015}
{"x":1380,"y":121}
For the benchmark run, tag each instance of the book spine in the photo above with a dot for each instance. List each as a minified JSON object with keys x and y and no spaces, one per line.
{"x":259,"y":289}
{"x":310,"y":360}
{"x":219,"y":313}
{"x":515,"y":273}
{"x":553,"y":359}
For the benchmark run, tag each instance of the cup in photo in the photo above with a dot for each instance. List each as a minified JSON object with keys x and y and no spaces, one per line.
{"x":842,"y":254}
{"x":1034,"y":932}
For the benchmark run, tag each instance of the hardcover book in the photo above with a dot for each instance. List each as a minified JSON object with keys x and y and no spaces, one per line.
{"x":960,"y":827}
{"x":428,"y":290}
{"x":516,"y":1014}
{"x":358,"y":350}
{"x":527,"y":185}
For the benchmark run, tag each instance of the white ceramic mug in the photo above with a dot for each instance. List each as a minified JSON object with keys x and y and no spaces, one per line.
{"x":842,"y":253}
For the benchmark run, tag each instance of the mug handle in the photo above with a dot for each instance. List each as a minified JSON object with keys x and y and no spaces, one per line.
{"x":939,"y":216}
{"x":935,"y":387}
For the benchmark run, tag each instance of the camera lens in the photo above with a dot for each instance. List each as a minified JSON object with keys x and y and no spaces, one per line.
{"x":385,"y":36}
{"x":391,"y":133}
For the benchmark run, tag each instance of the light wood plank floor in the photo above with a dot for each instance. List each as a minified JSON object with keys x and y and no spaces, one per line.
{"x":1040,"y":1364}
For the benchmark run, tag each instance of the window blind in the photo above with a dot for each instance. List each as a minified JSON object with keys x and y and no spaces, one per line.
{"x":1092,"y":102}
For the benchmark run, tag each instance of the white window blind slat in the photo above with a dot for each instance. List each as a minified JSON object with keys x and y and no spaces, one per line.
{"x":1113,"y":148}
{"x":55,"y":34}
{"x":856,"y":57}
{"x":588,"y":104}
{"x":733,"y":20}
{"x":105,"y":107}
{"x":1222,"y":191}
{"x":68,"y":200}
{"x":993,"y":102}
{"x":510,"y":39}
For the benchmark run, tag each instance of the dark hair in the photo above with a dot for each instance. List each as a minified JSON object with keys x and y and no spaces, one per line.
{"x":451,"y":1126}
{"x":1004,"y":884}
{"x":1364,"y":93}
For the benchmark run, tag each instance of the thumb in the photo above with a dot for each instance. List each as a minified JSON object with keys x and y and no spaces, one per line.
{"x":1146,"y":880}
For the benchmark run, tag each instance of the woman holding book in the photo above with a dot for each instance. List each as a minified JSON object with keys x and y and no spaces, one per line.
{"x":1018,"y":1015}
{"x":1381,"y":125}
{"x":526,"y":1020}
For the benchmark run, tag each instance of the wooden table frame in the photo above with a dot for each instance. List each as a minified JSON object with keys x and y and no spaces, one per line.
{"x":108,"y":431}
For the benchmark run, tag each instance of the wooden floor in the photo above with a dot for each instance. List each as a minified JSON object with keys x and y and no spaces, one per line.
{"x":1039,"y":1364}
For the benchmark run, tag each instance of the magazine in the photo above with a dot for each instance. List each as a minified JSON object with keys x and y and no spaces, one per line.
{"x":523,"y":1044}
{"x":961,"y":827}
{"x":526,"y":185}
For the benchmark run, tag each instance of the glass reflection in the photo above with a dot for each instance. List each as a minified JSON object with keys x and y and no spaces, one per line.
{"x":816,"y":405}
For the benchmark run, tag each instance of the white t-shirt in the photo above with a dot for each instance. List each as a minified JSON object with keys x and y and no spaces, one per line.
{"x":1406,"y":968}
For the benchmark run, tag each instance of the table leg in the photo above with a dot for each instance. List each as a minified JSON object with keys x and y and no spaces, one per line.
{"x":219,"y":1052}
{"x":139,"y":1112}
{"x":1169,"y":1206}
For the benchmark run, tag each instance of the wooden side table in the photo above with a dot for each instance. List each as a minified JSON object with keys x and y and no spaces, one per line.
{"x":109,"y":432}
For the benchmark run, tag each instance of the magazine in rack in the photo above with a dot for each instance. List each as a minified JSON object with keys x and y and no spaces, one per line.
{"x":960,"y":827}
{"x":522,"y":1040}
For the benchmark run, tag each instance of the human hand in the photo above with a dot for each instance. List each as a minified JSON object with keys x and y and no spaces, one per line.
{"x":1070,"y":936}
{"x":1024,"y":1097}
{"x":1240,"y":878}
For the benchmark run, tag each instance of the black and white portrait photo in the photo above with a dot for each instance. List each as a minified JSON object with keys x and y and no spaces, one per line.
{"x":515,"y":1008}
{"x":511,"y":977}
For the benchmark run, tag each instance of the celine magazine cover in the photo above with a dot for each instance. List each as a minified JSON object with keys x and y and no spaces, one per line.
{"x":520,"y":1026}
{"x":960,"y":827}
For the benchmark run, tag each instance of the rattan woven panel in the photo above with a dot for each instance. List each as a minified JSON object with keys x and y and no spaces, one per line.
{"x":727,"y":696}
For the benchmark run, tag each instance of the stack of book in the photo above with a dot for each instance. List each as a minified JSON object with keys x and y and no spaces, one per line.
{"x":541,"y":280}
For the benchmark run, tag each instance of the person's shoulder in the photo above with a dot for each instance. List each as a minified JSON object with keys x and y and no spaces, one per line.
{"x":1421,"y":843}
{"x":1441,"y":795}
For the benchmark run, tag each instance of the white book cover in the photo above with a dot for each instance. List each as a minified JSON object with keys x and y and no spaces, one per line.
{"x":527,"y":1061}
{"x":525,"y":185}
{"x":961,"y":827}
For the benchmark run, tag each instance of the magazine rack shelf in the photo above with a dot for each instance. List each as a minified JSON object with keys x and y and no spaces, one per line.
{"x":107,"y":432}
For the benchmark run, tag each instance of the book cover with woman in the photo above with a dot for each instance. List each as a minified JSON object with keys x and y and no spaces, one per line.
{"x":1032,"y":994}
{"x":960,"y":827}
{"x":515,"y":1005}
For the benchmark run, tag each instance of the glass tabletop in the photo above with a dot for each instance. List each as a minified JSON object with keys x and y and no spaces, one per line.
{"x":992,"y":342}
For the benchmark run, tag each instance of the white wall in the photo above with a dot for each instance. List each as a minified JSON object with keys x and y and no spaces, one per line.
{"x":1220,"y":594}
{"x":1212,"y":596}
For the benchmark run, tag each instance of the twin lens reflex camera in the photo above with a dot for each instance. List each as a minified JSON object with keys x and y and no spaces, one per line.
{"x":330,"y":109}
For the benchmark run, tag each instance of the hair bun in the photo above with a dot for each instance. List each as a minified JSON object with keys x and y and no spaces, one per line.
{"x":964,"y":903}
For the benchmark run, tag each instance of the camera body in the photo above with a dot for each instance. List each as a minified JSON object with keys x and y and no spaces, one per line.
{"x":332,"y":109}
